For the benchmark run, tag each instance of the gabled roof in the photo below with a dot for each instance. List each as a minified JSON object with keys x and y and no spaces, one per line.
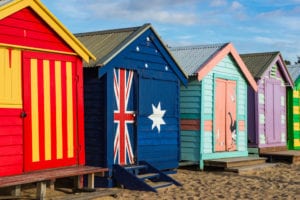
{"x":8,"y":7}
{"x":193,"y":58}
{"x":258,"y":63}
{"x":294,"y":71}
{"x":107,"y":44}
{"x":202,"y":59}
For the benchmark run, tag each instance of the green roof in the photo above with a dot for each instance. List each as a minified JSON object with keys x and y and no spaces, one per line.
{"x":105,"y":45}
{"x":258,"y":63}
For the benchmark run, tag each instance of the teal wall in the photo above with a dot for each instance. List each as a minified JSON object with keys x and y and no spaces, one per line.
{"x":191,"y":103}
{"x":190,"y":108}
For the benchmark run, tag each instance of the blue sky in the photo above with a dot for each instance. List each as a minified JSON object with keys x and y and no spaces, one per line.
{"x":251,"y":25}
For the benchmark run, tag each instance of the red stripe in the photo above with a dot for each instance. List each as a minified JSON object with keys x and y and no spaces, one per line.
{"x":41,"y":110}
{"x":64,"y":110}
{"x":74,"y":108}
{"x":53,"y":110}
{"x":27,"y":120}
{"x":122,"y":111}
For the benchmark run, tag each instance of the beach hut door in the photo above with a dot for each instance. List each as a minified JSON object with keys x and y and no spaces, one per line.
{"x":225,"y":115}
{"x":124,"y":116}
{"x":50,"y":105}
{"x":273,"y":111}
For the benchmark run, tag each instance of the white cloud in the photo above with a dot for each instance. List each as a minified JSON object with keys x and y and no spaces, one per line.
{"x":236,"y":6}
{"x":218,"y":3}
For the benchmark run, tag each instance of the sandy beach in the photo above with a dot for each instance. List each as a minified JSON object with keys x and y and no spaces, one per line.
{"x":279,"y":182}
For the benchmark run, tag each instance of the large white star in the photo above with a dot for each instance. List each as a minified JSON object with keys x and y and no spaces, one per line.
{"x":157,"y":117}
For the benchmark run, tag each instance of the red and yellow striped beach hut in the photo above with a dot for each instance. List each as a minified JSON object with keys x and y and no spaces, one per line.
{"x":41,"y":90}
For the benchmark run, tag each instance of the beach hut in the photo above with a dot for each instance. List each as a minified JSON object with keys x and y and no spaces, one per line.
{"x":213,"y":107}
{"x":41,"y":95}
{"x":131,"y":101}
{"x":293,"y":106}
{"x":267,"y":127}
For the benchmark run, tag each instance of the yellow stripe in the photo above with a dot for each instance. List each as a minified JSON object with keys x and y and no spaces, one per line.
{"x":70,"y":109}
{"x":47,"y":109}
{"x":59,"y":146}
{"x":296,"y":109}
{"x":296,"y":126}
{"x":296,"y":93}
{"x":297,"y":142}
{"x":34,"y":111}
{"x":10,"y":81}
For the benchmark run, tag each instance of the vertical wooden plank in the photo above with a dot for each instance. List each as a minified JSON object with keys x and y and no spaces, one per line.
{"x":34,"y":110}
{"x":91,"y":181}
{"x":16,"y":191}
{"x":41,"y":190}
{"x":70,"y":131}
{"x":59,"y":146}
{"x":47,"y":110}
{"x":231,"y":116}
{"x":220,"y":115}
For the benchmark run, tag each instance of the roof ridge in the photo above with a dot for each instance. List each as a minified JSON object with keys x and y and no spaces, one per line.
{"x":117,"y":30}
{"x":199,"y":46}
{"x":260,"y":53}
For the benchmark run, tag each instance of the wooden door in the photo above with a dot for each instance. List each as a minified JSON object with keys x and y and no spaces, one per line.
{"x":124,"y":117}
{"x":225,"y":115}
{"x":273,"y":111}
{"x":50,"y":128}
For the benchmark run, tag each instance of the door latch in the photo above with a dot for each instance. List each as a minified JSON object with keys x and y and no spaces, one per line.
{"x":23,"y":114}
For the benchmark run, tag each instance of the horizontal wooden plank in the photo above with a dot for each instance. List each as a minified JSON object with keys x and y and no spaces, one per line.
{"x":10,"y":120}
{"x":190,"y":124}
{"x":10,"y":170}
{"x":11,"y":150}
{"x":8,"y":140}
{"x":44,"y":175}
{"x":10,"y":112}
{"x":11,"y":130}
{"x":11,"y":160}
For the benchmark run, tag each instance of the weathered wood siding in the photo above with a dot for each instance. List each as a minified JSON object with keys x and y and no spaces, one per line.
{"x":190,"y":108}
{"x":227,"y":69}
{"x":95,"y":117}
{"x":272,"y":74}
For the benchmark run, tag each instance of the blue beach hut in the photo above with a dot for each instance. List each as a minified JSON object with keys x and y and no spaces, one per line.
{"x":131,"y":102}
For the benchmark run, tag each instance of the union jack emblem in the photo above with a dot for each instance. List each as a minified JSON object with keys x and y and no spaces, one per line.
{"x":122,"y":117}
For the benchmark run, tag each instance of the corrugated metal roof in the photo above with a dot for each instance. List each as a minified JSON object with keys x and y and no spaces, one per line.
{"x":257,"y":63}
{"x":3,"y":2}
{"x":294,"y":71}
{"x":106,"y":44}
{"x":192,"y":58}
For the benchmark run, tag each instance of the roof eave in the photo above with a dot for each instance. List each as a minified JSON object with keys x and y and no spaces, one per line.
{"x":214,"y":60}
{"x":52,"y":21}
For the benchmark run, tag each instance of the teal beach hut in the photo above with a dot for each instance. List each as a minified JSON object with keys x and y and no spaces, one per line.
{"x":213,"y":107}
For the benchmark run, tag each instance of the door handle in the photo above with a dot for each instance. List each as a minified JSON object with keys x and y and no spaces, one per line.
{"x":23,"y":114}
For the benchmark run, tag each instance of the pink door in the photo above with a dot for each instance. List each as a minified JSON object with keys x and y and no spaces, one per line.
{"x":225,"y":115}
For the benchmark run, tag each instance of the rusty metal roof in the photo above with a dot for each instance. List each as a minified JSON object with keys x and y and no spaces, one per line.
{"x":258,"y":63}
{"x":294,"y":71}
{"x":107,"y":44}
{"x":192,"y":58}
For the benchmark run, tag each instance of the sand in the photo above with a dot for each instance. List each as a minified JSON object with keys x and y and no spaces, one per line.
{"x":279,"y":182}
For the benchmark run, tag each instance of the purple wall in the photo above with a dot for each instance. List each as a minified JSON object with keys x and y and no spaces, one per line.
{"x":267,"y":116}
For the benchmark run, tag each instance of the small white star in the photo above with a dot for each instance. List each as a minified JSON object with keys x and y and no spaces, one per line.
{"x":157,"y":117}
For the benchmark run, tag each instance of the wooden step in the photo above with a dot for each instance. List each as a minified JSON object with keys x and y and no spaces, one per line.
{"x":135,"y":167}
{"x":250,"y":168}
{"x":235,"y":162}
{"x":290,"y":156}
{"x":157,"y":185}
{"x":147,"y":176}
